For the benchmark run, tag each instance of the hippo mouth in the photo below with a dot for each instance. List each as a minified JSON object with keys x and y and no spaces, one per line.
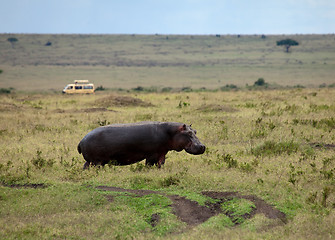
{"x":195,"y":149}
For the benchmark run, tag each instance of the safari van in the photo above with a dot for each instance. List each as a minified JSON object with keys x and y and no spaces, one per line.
{"x":79,"y":86}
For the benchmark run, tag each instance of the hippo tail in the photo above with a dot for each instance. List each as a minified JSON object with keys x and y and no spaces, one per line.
{"x":78,"y":148}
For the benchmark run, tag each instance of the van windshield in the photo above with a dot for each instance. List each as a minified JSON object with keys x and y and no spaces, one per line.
{"x":68,"y":87}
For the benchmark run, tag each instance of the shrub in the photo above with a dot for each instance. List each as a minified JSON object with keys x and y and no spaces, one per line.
{"x":299,"y":86}
{"x":260,"y":82}
{"x":229,"y":87}
{"x":40,"y":162}
{"x":138,"y":89}
{"x":230,"y":161}
{"x":186,"y":89}
{"x":6,"y":90}
{"x":170,"y":180}
{"x":145,"y":89}
{"x":100,"y":88}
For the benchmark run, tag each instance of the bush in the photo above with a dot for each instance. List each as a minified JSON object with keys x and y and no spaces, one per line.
{"x":260,"y":82}
{"x":100,"y":88}
{"x":229,"y":87}
{"x":6,"y":90}
{"x":299,"y":86}
{"x":138,"y":89}
{"x":145,"y":89}
{"x":186,"y":89}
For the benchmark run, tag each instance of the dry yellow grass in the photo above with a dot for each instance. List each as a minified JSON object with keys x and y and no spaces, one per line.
{"x":126,"y":61}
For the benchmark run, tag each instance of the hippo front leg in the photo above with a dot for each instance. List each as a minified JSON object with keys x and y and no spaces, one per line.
{"x":157,"y":160}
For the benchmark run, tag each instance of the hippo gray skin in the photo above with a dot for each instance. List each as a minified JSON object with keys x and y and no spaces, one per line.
{"x":125,"y":144}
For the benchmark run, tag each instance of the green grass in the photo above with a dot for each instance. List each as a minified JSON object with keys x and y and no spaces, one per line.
{"x":237,"y":208}
{"x":143,"y":208}
{"x":274,"y":144}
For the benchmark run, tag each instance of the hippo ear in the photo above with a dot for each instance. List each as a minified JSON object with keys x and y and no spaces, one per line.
{"x":182,"y":128}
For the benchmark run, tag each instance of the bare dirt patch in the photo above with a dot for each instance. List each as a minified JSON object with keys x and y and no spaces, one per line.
{"x":261,"y":206}
{"x":154,"y":220}
{"x":322,"y":145}
{"x":192,"y":213}
{"x":85,"y":110}
{"x":27,"y":185}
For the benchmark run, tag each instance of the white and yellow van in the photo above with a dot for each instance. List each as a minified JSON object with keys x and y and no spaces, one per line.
{"x":79,"y":86}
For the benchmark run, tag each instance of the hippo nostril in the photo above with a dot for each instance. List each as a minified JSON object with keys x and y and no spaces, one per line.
{"x":203,"y":148}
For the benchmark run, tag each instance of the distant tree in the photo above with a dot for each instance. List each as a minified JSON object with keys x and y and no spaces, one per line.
{"x":12,"y":40}
{"x":260,"y":82}
{"x":287,"y":43}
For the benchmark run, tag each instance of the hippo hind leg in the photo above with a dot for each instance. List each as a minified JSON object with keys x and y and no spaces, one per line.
{"x":150,"y":161}
{"x":86,"y":165}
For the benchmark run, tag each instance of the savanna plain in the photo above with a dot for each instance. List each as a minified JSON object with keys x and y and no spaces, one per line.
{"x":268,"y":171}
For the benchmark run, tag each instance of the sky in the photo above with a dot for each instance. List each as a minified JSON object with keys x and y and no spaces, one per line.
{"x":167,"y":16}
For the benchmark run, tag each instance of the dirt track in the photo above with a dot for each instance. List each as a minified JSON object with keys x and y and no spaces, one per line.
{"x":190,"y":211}
{"x":193,"y":214}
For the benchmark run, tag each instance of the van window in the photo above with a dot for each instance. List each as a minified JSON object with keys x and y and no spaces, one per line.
{"x":88,"y":87}
{"x":78,"y":87}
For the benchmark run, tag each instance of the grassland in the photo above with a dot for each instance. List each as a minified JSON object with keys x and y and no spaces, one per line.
{"x":277,"y":145}
{"x":177,"y":61}
{"x":269,"y":152}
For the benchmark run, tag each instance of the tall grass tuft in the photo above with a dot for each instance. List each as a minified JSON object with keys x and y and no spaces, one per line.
{"x":270,"y":148}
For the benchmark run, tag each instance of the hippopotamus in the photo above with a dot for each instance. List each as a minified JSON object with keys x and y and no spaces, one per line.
{"x":125,"y":144}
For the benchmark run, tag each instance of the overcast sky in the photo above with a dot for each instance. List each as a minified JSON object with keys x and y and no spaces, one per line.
{"x":168,"y":16}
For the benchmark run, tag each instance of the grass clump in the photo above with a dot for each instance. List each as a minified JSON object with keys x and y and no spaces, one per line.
{"x":238,"y":209}
{"x":327,"y":124}
{"x":270,"y":148}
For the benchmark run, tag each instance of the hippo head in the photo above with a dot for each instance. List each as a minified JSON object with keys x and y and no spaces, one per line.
{"x":185,"y":138}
